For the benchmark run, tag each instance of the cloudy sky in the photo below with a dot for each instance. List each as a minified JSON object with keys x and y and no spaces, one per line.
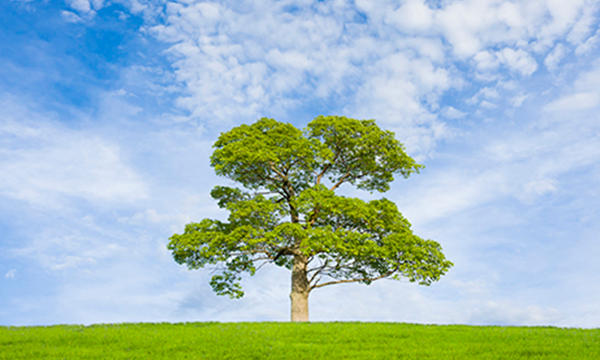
{"x":109,"y":109}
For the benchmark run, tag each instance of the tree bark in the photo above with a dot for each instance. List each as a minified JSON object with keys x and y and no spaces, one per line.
{"x":300,"y":289}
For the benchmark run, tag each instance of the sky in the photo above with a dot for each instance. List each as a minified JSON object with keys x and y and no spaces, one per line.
{"x":109,"y":109}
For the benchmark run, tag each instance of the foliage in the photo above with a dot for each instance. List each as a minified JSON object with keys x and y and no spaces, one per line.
{"x":287,"y":208}
{"x":296,"y":341}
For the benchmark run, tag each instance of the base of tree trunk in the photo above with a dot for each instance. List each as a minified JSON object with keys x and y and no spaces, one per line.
{"x":299,"y":307}
{"x":300,"y":289}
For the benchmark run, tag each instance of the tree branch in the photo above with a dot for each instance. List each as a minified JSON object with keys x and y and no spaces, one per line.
{"x":263,"y":264}
{"x":317,"y":271}
{"x":282,"y":176}
{"x":341,"y":181}
{"x":266,"y":192}
{"x":323,"y":173}
{"x":319,"y":268}
{"x":350,"y":281}
{"x":285,"y":251}
{"x":315,"y":275}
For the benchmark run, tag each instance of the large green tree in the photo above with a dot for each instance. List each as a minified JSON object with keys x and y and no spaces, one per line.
{"x":287,"y":212}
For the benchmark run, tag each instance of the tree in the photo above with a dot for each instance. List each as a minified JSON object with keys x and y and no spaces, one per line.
{"x":287,"y":212}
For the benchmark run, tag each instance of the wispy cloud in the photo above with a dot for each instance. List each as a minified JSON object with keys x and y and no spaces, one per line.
{"x":11,"y":274}
{"x":45,"y":162}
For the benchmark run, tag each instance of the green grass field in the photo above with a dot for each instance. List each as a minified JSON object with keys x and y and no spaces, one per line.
{"x":296,"y":341}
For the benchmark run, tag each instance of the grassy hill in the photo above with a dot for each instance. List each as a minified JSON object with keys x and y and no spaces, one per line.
{"x":296,"y":341}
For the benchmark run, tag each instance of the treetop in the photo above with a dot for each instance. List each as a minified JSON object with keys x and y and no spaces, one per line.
{"x":270,"y":154}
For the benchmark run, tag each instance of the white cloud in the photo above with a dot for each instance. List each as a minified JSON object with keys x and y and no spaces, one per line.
{"x":588,"y":80}
{"x":146,"y":7}
{"x":517,"y":101}
{"x":589,"y":45}
{"x":457,"y":190}
{"x":511,"y":14}
{"x":555,"y":57}
{"x":489,"y":93}
{"x":462,"y":22}
{"x":411,"y":16}
{"x":11,"y":274}
{"x":46,"y":163}
{"x":86,"y":6}
{"x":487,"y":105}
{"x":452,"y":113}
{"x":485,"y":97}
{"x":511,"y":313}
{"x":564,"y":14}
{"x":517,"y":60}
{"x":82,"y":247}
{"x":579,"y":101}
{"x":541,"y":187}
{"x":583,"y":94}
{"x":486,"y":61}
{"x":71,"y":17}
{"x":398,"y":301}
{"x":584,"y":25}
{"x":525,"y":165}
{"x":474,"y":26}
{"x":83,"y":6}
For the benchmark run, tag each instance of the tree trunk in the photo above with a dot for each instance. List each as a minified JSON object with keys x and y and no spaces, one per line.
{"x":300,"y":289}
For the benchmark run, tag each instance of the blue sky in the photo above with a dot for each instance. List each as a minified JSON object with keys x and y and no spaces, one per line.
{"x":108,"y":111}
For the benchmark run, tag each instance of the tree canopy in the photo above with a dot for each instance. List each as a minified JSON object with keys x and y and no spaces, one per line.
{"x":287,"y":212}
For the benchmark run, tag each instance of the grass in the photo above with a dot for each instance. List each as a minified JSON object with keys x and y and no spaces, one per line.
{"x":296,"y":341}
